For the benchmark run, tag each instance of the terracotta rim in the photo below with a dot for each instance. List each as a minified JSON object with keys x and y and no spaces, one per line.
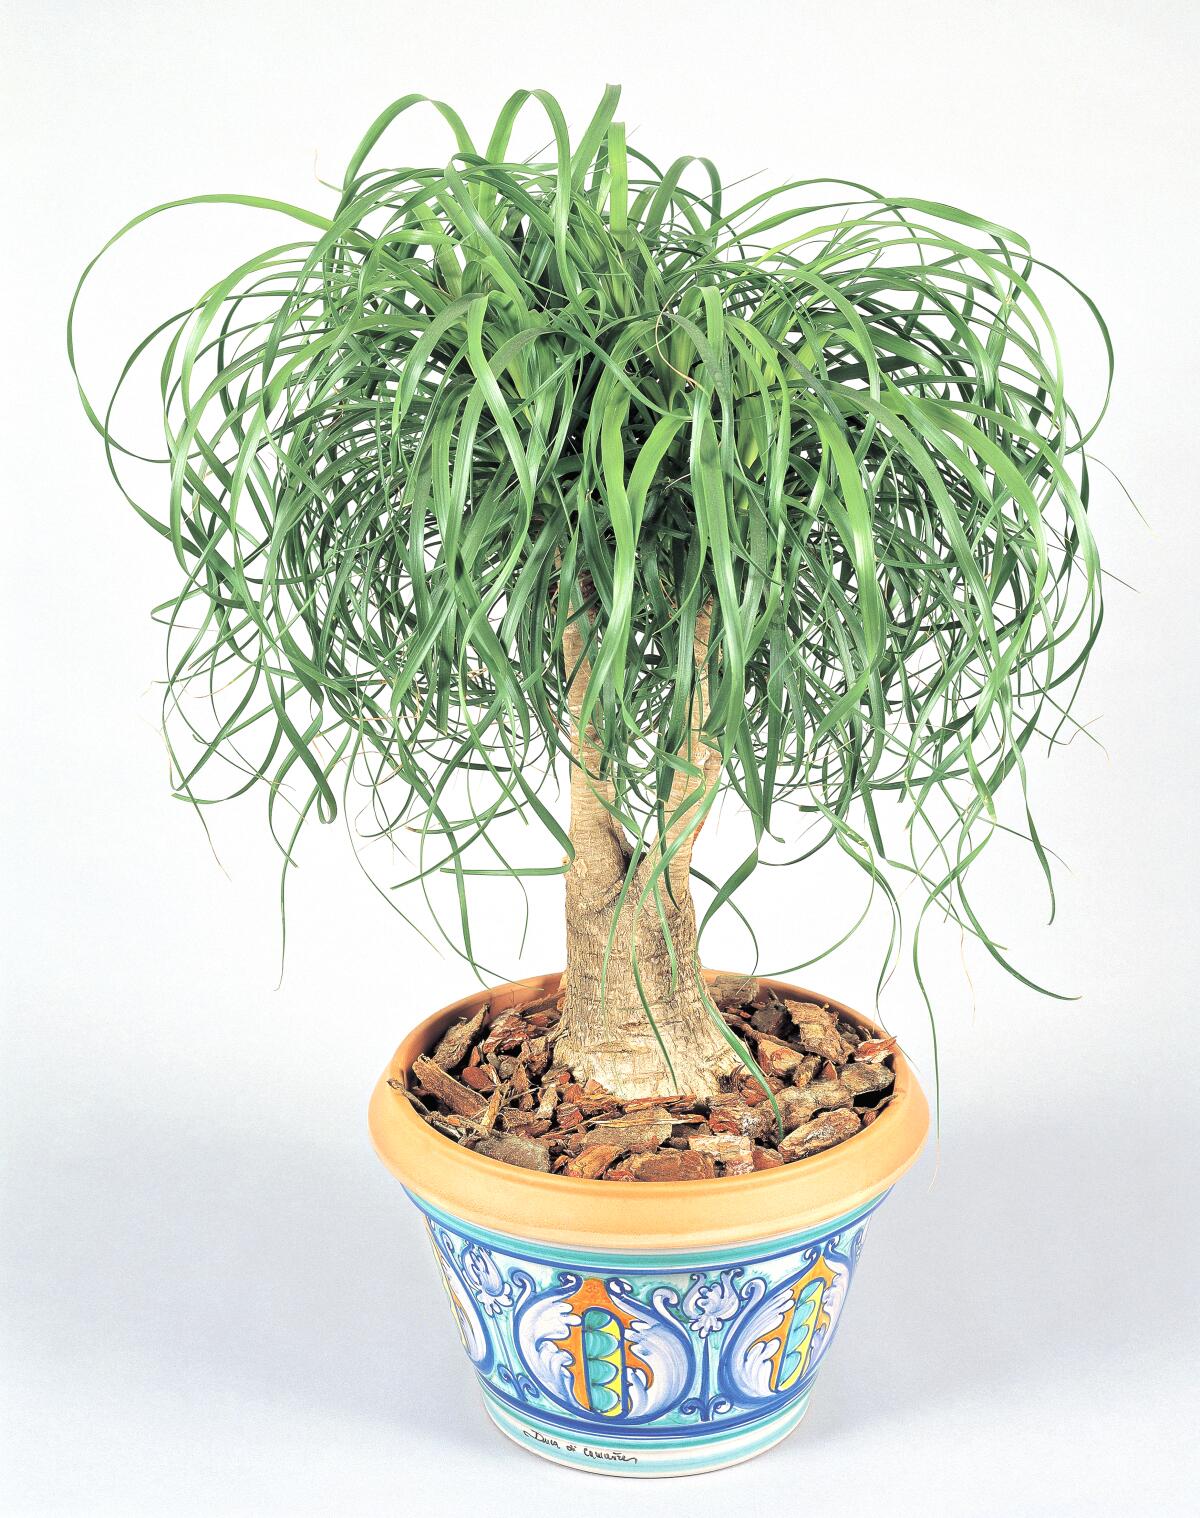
{"x":644,"y":1215}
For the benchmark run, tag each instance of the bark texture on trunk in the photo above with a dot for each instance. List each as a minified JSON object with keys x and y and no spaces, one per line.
{"x":605,"y":1032}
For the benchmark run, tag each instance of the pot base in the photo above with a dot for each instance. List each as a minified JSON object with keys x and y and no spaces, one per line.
{"x":646,"y":1458}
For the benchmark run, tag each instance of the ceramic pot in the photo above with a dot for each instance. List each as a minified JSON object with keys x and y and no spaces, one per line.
{"x":646,"y":1328}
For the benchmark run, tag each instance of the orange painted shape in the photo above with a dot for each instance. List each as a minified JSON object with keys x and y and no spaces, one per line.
{"x":594,"y":1293}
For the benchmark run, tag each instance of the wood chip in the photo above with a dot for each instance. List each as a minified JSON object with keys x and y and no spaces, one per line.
{"x":591,"y":1163}
{"x":478,"y":1077}
{"x":513,"y":1149}
{"x":445,"y":1126}
{"x":816,"y":1031}
{"x":506,"y":1033}
{"x":872,"y":1050}
{"x":863,"y":1078}
{"x":535,"y":1011}
{"x":682,"y":1124}
{"x":518,"y":1120}
{"x":486,"y":1120}
{"x":776,"y":1057}
{"x":735,"y":1114}
{"x":765,"y":1159}
{"x":822,"y":1133}
{"x":637,"y":1133}
{"x":732,"y":1150}
{"x":455,"y":1044}
{"x":568,"y":1116}
{"x":735,"y":990}
{"x":449,"y":1092}
{"x":770,"y":1019}
{"x":591,"y":1099}
{"x":538,"y":1058}
{"x":671,"y":1165}
{"x":798,"y":1107}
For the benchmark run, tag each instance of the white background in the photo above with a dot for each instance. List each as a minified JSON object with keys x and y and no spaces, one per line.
{"x":216,"y":1301}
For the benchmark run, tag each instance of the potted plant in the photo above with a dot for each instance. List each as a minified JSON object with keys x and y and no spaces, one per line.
{"x":509,"y":469}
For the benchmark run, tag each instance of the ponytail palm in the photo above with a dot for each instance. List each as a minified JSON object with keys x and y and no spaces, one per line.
{"x":511,"y":467}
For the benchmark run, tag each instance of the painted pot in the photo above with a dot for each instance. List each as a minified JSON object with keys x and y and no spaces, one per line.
{"x":650,"y":1328}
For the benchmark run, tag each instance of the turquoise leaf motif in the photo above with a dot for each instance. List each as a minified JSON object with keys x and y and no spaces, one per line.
{"x":603,"y":1360}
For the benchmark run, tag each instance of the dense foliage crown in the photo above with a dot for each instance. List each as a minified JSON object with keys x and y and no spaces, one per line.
{"x":489,"y":400}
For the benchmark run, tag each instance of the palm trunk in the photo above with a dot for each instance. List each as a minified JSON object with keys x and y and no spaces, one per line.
{"x":606,"y":1034}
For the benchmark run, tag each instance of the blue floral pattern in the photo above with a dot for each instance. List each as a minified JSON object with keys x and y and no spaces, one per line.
{"x":623,"y":1349}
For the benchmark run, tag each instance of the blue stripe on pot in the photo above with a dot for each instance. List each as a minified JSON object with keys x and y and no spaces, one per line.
{"x":641,"y":1457}
{"x":679,"y":1259}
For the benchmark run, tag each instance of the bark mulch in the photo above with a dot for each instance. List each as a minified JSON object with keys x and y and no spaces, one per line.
{"x":490,"y":1086}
